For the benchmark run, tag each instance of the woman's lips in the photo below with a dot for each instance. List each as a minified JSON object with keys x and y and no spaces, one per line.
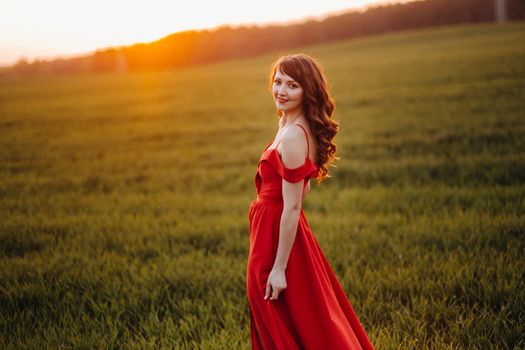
{"x":281,"y":100}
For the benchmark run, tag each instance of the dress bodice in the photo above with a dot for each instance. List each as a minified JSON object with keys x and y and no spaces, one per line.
{"x":271,"y":171}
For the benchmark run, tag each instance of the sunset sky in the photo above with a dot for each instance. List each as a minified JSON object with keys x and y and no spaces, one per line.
{"x":51,"y":28}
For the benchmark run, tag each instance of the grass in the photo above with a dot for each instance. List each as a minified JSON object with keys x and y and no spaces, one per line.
{"x":124,"y":198}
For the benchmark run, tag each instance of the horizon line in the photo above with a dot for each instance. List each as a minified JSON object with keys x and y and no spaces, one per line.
{"x":304,"y":19}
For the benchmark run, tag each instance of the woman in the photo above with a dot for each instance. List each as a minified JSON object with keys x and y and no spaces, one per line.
{"x":295,"y":299}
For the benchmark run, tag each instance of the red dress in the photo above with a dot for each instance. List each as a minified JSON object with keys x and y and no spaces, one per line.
{"x":313,"y":312}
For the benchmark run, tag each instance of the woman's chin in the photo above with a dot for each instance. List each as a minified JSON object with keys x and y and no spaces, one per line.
{"x":282,"y":108}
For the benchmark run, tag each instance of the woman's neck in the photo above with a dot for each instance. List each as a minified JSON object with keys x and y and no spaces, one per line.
{"x":289,"y":118}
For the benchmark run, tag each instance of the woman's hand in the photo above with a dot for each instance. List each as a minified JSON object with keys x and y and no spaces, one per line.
{"x":276,"y":283}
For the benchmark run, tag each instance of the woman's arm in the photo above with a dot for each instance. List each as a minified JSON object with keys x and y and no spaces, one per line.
{"x":306,"y":190}
{"x":292,"y":193}
{"x":293,"y":156}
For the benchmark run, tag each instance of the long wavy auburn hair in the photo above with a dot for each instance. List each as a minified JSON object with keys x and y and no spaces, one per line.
{"x":318,"y":105}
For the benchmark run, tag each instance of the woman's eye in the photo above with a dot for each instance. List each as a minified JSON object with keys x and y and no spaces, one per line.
{"x":290,"y":85}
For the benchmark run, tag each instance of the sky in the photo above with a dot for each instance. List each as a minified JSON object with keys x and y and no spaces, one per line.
{"x":37,"y":29}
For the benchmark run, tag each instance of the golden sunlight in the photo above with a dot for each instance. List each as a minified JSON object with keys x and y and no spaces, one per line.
{"x":42,"y":29}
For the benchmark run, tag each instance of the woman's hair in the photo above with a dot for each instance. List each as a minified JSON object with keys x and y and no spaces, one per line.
{"x":318,"y":105}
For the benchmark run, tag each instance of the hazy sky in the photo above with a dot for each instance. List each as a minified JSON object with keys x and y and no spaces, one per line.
{"x":49,"y":28}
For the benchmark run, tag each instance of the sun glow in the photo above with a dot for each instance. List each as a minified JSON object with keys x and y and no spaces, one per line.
{"x":43,"y":29}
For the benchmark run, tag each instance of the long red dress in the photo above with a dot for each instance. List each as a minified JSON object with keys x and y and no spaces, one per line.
{"x":313,"y":312}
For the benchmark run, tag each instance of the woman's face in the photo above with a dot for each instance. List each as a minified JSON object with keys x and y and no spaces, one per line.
{"x":287,"y":93}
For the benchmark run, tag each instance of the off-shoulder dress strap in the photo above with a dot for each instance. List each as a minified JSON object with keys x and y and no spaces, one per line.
{"x":307,"y":141}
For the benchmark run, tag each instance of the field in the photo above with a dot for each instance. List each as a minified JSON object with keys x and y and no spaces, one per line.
{"x":124,"y":197}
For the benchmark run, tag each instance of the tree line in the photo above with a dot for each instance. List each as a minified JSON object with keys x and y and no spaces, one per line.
{"x":194,"y":47}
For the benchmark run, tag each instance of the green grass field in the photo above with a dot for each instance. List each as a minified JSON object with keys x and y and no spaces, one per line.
{"x":124,"y":198}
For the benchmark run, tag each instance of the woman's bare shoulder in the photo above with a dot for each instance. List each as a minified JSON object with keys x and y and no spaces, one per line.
{"x":293,"y":147}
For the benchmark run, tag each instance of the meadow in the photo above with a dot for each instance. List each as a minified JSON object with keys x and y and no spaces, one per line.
{"x":124,"y":197}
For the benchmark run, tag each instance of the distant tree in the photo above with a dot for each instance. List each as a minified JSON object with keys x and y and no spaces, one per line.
{"x":500,"y":9}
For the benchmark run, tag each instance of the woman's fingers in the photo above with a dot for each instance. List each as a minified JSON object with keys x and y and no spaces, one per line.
{"x":268,"y":289}
{"x":275,"y":284}
{"x":275,"y":294}
{"x":271,"y":292}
